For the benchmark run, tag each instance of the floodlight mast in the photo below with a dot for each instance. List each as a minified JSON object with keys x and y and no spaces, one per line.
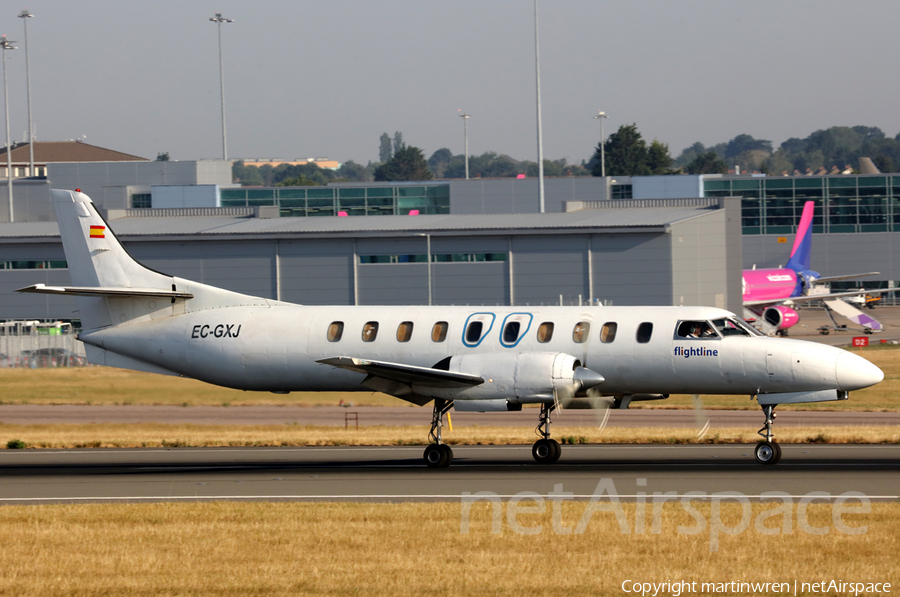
{"x":5,"y":45}
{"x":465,"y":118}
{"x":601,"y":115}
{"x":219,"y":19}
{"x":25,"y":15}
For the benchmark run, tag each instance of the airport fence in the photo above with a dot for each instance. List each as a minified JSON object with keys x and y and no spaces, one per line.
{"x":33,"y":345}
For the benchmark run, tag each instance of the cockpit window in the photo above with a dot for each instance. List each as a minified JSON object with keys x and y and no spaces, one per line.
{"x":695,"y":329}
{"x":734,"y":327}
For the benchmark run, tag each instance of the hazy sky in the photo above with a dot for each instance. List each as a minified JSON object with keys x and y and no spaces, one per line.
{"x":305,"y":79}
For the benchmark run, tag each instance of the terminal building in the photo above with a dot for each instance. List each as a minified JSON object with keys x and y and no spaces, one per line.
{"x":659,"y":240}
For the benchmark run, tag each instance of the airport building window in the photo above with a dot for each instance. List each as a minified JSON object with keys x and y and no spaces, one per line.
{"x":397,"y":199}
{"x":435,"y":258}
{"x":370,"y":331}
{"x":404,"y":331}
{"x":29,"y":264}
{"x":581,"y":331}
{"x":608,"y":332}
{"x":439,"y":331}
{"x":141,"y":201}
{"x":644,"y":332}
{"x":335,"y":331}
{"x":621,"y":191}
{"x":545,"y":332}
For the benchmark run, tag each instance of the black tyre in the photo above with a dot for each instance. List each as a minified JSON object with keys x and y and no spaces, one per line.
{"x":557,"y":449}
{"x":544,"y":452}
{"x":767,"y":453}
{"x":447,"y":453}
{"x":434,"y":456}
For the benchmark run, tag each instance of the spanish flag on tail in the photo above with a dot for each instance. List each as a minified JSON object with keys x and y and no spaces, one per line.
{"x":98,"y":231}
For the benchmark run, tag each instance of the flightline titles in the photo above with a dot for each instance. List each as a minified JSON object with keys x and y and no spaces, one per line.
{"x":681,"y":351}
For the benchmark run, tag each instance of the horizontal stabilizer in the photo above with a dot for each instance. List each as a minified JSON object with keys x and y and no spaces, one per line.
{"x":110,"y":292}
{"x":845,"y":277}
{"x":407,"y":374}
{"x":819,"y":297}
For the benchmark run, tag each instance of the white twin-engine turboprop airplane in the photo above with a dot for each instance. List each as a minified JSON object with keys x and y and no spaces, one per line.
{"x":468,"y":358}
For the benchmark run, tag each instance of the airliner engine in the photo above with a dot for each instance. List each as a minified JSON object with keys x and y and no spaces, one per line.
{"x":781,"y":317}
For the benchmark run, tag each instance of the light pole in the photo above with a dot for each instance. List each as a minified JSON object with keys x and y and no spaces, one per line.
{"x":601,"y":115}
{"x":465,"y":118}
{"x":219,"y":19}
{"x":25,"y":15}
{"x":540,"y":138}
{"x":5,"y":45}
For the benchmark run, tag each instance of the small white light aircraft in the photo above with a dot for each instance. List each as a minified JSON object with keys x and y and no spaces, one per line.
{"x":470,"y":359}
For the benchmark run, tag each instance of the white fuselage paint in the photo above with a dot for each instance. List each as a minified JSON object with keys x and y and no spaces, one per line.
{"x":275,"y":348}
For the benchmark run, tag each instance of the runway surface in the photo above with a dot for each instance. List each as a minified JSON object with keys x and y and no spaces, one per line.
{"x":394,"y":474}
{"x":29,"y":414}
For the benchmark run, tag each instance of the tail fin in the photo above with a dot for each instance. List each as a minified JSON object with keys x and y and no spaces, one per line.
{"x":110,"y":286}
{"x":800,"y":254}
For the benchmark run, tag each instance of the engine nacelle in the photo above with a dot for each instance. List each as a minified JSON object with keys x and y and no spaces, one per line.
{"x":781,"y":317}
{"x":519,"y":378}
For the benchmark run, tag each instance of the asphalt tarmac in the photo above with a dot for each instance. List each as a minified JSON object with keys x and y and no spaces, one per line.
{"x":397,"y":474}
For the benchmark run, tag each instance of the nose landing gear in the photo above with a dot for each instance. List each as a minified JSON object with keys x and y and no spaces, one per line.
{"x":768,"y":452}
{"x":546,"y":450}
{"x":437,"y":454}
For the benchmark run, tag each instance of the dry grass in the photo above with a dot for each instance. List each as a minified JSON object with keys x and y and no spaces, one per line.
{"x":108,"y":435}
{"x":104,"y":385}
{"x":251,"y":549}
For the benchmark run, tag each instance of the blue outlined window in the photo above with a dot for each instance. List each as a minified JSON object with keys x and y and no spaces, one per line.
{"x":478,"y":326}
{"x":515,"y":326}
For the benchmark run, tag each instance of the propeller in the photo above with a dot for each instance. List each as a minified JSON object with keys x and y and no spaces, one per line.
{"x":700,"y":416}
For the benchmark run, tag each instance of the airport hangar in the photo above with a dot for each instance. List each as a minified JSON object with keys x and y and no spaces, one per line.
{"x":630,"y":253}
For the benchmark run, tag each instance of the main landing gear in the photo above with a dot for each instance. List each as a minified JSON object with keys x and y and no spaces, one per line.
{"x":437,"y":454}
{"x":768,"y":452}
{"x":545,"y":450}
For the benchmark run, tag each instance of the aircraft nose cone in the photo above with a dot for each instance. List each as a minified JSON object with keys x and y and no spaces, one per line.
{"x":855,"y":373}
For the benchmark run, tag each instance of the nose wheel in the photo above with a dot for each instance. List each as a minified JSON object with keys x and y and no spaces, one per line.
{"x":768,"y":452}
{"x":545,"y":450}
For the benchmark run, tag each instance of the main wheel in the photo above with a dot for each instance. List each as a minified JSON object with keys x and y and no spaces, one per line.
{"x":767,"y":453}
{"x":546,"y":451}
{"x":434,"y":456}
{"x":447,"y":453}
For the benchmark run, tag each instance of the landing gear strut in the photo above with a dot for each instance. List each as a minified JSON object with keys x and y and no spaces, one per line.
{"x":768,"y":452}
{"x":545,"y":450}
{"x":437,"y":454}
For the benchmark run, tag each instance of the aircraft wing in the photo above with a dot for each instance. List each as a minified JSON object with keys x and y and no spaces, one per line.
{"x":405,"y":374}
{"x":109,"y":292}
{"x":817,"y":297}
{"x":845,"y":277}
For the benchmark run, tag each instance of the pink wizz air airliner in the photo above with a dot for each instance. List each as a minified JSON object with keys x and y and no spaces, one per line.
{"x":767,"y":290}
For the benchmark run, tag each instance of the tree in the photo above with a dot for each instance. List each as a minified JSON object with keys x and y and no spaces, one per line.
{"x":707,"y":163}
{"x":626,"y":153}
{"x":439,"y":160}
{"x":658,"y":159}
{"x":301,"y":181}
{"x":385,"y":152}
{"x":744,"y":143}
{"x":162,"y":157}
{"x":354,"y":172}
{"x":399,"y":145}
{"x":407,"y":164}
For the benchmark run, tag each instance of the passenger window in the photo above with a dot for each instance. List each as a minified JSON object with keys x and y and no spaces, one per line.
{"x":473,"y":332}
{"x":608,"y":332}
{"x":404,"y":331}
{"x":439,"y":332}
{"x":370,"y":331}
{"x":511,"y":332}
{"x":644,"y":332}
{"x":545,"y":332}
{"x":335,"y":331}
{"x":581,"y":332}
